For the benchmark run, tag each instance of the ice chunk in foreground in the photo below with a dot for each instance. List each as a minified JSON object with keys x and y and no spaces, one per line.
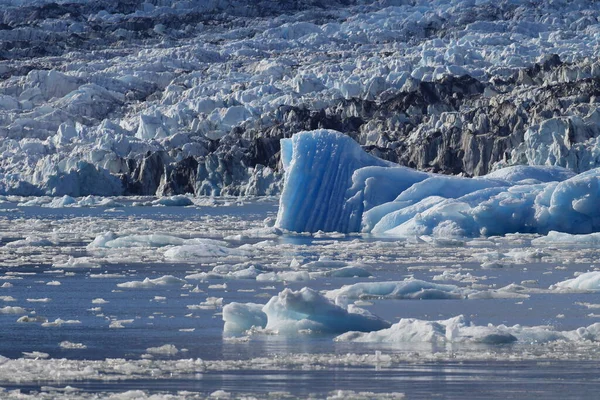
{"x":332,"y":185}
{"x":291,"y":312}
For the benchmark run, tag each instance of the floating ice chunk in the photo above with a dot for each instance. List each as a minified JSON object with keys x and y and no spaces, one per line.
{"x":349,"y":271}
{"x":203,"y":248}
{"x":554,"y":238}
{"x":408,"y":289}
{"x":7,"y":298}
{"x":61,"y":202}
{"x":210,"y":303}
{"x":119,"y":323}
{"x":60,"y":322}
{"x":322,"y":264}
{"x":174,"y":201}
{"x":288,"y":276}
{"x":36,"y":318}
{"x":406,"y":330}
{"x":240,"y":317}
{"x":79,"y":262}
{"x":12,"y":310}
{"x":409,"y":330}
{"x":458,"y":329}
{"x":167,"y":350}
{"x":307,"y":310}
{"x":35,"y":355}
{"x":99,"y":300}
{"x":152,"y":283}
{"x":218,"y":286}
{"x":225,"y":272}
{"x":30,"y":241}
{"x":110,"y":240}
{"x":589,"y":281}
{"x":291,"y":312}
{"x":511,"y":291}
{"x":220,"y":394}
{"x":101,"y":240}
{"x":70,"y":345}
{"x":53,"y":283}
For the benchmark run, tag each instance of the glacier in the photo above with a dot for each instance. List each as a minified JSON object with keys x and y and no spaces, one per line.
{"x":174,"y":97}
{"x":332,"y":185}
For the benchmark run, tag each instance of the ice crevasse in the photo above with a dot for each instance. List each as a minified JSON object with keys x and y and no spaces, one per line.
{"x":331,"y":184}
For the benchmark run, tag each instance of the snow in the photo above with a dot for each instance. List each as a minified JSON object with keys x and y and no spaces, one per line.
{"x":332,"y":185}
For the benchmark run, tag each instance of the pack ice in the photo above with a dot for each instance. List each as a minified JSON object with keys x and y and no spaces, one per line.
{"x":331,"y":184}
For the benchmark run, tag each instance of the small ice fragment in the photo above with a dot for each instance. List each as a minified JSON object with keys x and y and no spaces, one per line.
{"x":70,"y":345}
{"x":167,"y":349}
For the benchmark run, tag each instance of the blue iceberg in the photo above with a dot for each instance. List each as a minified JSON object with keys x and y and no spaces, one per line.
{"x":332,"y":185}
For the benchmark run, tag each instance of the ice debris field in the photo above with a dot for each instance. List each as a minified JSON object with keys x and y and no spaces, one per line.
{"x":292,"y":199}
{"x":141,"y":298}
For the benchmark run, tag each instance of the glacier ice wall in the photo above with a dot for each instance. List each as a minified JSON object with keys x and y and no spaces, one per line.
{"x":332,"y":185}
{"x":170,"y":97}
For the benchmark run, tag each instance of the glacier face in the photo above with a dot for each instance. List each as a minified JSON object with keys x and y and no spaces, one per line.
{"x":332,"y":185}
{"x":170,"y":97}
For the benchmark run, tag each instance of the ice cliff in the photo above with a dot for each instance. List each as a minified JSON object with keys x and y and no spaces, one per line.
{"x":171,"y":97}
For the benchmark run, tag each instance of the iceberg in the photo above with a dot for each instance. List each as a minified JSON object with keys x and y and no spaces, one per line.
{"x":332,"y":185}
{"x":305,"y":310}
